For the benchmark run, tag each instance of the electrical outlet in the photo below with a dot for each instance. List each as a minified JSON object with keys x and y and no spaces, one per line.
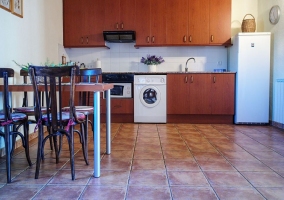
{"x":219,"y":63}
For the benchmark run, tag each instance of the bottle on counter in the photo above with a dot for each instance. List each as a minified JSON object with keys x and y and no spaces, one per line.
{"x":98,"y":64}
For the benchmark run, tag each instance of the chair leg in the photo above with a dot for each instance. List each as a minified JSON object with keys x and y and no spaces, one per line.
{"x":71,"y":149}
{"x":39,"y":150}
{"x":83,"y":142}
{"x":27,"y":143}
{"x":8,"y":154}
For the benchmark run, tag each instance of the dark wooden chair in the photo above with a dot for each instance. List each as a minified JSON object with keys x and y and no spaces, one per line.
{"x":61,"y":123}
{"x":87,"y":76}
{"x":29,"y":110}
{"x":11,"y":122}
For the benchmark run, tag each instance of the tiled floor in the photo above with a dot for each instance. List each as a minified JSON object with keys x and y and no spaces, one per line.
{"x":162,"y":161}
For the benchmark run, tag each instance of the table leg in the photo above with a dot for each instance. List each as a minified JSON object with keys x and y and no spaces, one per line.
{"x":108,"y":123}
{"x":96,"y":127}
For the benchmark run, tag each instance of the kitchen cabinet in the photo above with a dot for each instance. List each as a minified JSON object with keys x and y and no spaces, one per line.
{"x":220,"y":22}
{"x":82,"y":23}
{"x":119,"y":15}
{"x":150,"y":23}
{"x":122,"y":110}
{"x":203,"y":96}
{"x":198,"y":22}
{"x":177,"y":21}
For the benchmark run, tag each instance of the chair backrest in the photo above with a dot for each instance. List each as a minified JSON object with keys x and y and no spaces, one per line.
{"x":88,"y":75}
{"x":5,"y":73}
{"x":53,"y":88}
{"x":24,"y":74}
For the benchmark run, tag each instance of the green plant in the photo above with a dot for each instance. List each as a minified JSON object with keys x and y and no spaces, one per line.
{"x":152,"y":60}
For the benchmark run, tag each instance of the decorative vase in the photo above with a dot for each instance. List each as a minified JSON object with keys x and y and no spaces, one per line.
{"x":152,"y":68}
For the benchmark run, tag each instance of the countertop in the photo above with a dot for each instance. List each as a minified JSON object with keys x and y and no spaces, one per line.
{"x":165,"y":73}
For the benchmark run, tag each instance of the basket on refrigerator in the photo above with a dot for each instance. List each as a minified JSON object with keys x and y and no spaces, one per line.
{"x":248,"y":25}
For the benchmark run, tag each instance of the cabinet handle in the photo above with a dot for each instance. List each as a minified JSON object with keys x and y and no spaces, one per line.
{"x":190,"y":38}
{"x":148,"y":39}
{"x":87,"y":40}
{"x":214,"y":79}
{"x":121,"y":26}
{"x":191,"y":79}
{"x":116,"y":25}
{"x":82,"y":40}
{"x":184,"y":38}
{"x":212,"y":38}
{"x":185,"y":80}
{"x":153,"y":39}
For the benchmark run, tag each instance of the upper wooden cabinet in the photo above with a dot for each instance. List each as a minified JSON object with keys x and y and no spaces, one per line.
{"x":220,"y":22}
{"x":82,"y":23}
{"x":151,"y":27}
{"x":119,"y":15}
{"x":198,"y":22}
{"x":177,"y":21}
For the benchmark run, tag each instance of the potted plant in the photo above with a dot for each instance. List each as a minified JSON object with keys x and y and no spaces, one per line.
{"x":152,"y":62}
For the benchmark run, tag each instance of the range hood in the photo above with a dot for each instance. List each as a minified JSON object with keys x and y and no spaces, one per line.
{"x":119,"y":36}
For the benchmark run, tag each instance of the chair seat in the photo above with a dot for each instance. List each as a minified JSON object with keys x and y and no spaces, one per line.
{"x":28,"y":110}
{"x":15,"y":117}
{"x":65,"y":116}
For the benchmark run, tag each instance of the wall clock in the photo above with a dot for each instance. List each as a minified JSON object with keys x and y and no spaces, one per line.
{"x":274,"y":14}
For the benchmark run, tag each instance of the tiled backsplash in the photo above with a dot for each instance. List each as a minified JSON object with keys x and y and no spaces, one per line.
{"x":126,"y":58}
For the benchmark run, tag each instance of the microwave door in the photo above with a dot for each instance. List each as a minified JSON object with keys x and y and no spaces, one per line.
{"x":117,"y":90}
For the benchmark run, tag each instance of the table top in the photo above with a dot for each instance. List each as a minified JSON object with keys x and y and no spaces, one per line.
{"x":91,"y":87}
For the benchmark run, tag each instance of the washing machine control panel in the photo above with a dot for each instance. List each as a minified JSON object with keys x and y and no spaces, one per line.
{"x":150,"y":79}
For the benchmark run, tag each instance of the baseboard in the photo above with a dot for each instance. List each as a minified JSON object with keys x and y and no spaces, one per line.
{"x":277,"y":124}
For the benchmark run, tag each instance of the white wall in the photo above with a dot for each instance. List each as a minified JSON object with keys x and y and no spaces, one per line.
{"x":33,"y":38}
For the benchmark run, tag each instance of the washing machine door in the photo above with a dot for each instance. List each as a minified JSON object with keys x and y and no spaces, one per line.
{"x":150,"y":96}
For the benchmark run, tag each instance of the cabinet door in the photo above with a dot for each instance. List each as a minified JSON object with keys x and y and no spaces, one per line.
{"x":143,"y":22}
{"x":220,"y":21}
{"x":177,"y":94}
{"x":199,"y":97}
{"x":177,"y":21}
{"x":111,"y":20}
{"x":158,"y":22}
{"x":198,"y":22}
{"x":72,"y":26}
{"x":127,"y":14}
{"x":94,"y":15}
{"x":223,"y":93}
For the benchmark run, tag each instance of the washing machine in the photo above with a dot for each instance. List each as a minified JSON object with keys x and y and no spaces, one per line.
{"x":150,"y":98}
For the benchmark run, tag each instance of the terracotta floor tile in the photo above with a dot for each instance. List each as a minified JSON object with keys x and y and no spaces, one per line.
{"x":60,"y":192}
{"x":3,"y":175}
{"x":272,"y":193}
{"x":148,"y":140}
{"x":148,"y":164}
{"x":217,"y":165}
{"x":121,"y":154}
{"x":268,"y":155}
{"x":184,"y":155}
{"x":208,"y":156}
{"x":103,"y":192}
{"x":175,"y":147}
{"x":238,"y":155}
{"x":226,"y":179}
{"x":10,"y":191}
{"x":196,"y":193}
{"x":249,"y":165}
{"x":149,"y":193}
{"x":147,"y":134}
{"x":115,"y":164}
{"x":148,"y":177}
{"x":203,"y":147}
{"x":237,"y":193}
{"x":181,"y":165}
{"x":148,"y":147}
{"x":148,"y":155}
{"x":110,"y":178}
{"x":187,"y":178}
{"x":264,"y":179}
{"x":64,"y":177}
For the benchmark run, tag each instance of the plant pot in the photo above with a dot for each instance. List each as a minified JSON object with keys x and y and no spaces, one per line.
{"x":152,"y":68}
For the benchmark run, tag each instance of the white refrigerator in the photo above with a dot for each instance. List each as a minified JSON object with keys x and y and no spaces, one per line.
{"x":249,"y":57}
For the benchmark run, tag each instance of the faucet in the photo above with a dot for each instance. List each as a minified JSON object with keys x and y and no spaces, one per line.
{"x":186,"y":68}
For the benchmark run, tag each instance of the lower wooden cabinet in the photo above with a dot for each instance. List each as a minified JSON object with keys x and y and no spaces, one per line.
{"x":200,"y":97}
{"x":122,"y":110}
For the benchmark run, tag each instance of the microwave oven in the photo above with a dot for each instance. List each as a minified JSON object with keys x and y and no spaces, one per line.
{"x":120,"y":90}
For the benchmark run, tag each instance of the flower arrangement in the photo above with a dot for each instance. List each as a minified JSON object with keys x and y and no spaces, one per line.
{"x":152,"y":60}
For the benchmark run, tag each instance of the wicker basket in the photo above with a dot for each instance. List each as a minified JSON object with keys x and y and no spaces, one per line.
{"x":248,"y":25}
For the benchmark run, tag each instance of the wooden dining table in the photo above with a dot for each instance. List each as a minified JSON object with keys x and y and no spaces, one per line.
{"x":97,"y":88}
